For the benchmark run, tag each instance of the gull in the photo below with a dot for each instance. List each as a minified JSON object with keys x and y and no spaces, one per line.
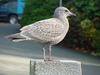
{"x":49,"y":31}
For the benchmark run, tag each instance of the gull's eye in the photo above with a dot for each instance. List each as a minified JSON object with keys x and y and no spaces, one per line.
{"x":66,"y":11}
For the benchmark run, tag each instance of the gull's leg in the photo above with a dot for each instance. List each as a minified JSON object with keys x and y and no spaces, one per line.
{"x":44,"y":55}
{"x":50,"y":58}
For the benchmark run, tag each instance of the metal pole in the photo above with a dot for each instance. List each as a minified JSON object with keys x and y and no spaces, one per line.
{"x":60,"y":3}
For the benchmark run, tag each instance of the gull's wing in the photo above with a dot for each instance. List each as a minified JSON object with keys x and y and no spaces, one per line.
{"x":44,"y":29}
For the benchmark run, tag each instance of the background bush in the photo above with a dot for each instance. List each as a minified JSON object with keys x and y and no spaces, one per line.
{"x":84,"y":33}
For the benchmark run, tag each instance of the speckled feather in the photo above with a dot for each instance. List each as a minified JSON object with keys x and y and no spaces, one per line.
{"x":46,"y":30}
{"x":50,"y":31}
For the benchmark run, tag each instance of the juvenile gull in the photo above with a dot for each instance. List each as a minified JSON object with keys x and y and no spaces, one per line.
{"x":49,"y":31}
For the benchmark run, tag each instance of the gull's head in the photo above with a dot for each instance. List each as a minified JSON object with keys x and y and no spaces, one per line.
{"x":63,"y":11}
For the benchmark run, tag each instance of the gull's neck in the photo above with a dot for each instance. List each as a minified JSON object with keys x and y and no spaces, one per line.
{"x":64,"y":20}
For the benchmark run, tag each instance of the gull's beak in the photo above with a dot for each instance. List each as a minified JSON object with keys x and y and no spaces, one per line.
{"x":71,"y":14}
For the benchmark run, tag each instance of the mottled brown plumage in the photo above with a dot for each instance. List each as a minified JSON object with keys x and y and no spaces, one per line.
{"x":49,"y":31}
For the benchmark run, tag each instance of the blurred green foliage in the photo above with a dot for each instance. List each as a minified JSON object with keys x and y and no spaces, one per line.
{"x":37,"y":10}
{"x":84,"y":33}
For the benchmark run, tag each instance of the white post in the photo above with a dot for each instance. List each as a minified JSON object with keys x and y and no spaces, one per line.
{"x":60,"y":2}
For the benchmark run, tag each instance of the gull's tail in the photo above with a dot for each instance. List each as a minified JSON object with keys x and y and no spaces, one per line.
{"x":16,"y":37}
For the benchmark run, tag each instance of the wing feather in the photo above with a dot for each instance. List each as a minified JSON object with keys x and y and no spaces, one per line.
{"x":45,"y":29}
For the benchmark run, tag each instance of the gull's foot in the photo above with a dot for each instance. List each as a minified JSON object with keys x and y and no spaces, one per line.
{"x":49,"y":59}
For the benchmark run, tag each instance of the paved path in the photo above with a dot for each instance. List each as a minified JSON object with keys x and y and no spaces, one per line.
{"x":14,"y":57}
{"x":12,"y":65}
